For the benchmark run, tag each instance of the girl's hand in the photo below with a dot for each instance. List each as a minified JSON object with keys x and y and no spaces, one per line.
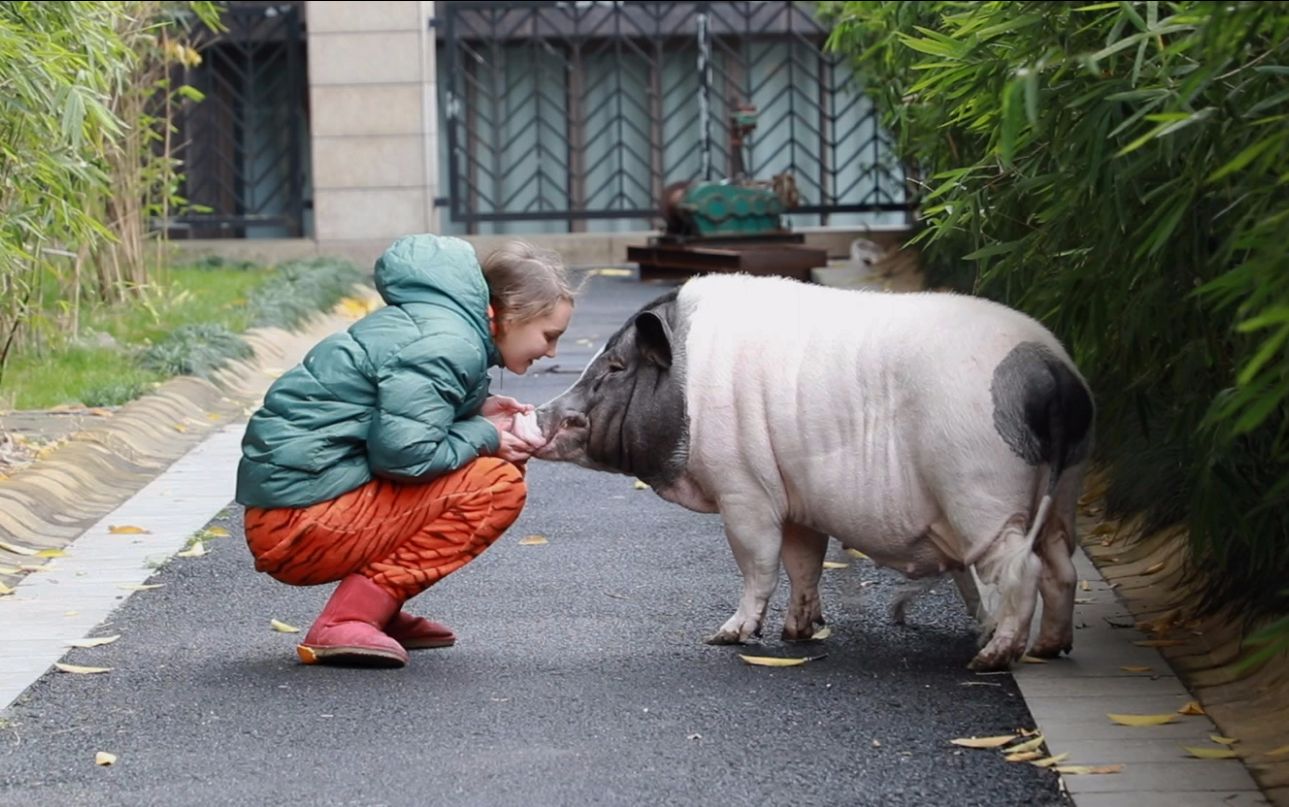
{"x":513,"y":449}
{"x":503,"y":405}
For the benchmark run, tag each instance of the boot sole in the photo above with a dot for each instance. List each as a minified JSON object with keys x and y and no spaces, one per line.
{"x":349,"y":656}
{"x":428,"y":644}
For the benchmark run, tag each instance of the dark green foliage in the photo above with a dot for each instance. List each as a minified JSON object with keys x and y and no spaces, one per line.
{"x":115,"y":394}
{"x":301,"y":289}
{"x":195,"y":350}
{"x":1121,"y":172}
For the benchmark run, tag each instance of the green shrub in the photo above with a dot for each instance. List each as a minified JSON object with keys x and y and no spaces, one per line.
{"x":301,"y":289}
{"x":116,"y":393}
{"x":195,"y":350}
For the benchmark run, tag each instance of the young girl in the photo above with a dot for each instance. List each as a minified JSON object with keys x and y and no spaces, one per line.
{"x":381,"y":460}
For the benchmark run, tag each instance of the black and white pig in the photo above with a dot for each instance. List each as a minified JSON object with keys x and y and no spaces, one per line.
{"x":937,"y":433}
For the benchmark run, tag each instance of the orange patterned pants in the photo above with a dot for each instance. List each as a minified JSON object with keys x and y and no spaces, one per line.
{"x":404,"y":537}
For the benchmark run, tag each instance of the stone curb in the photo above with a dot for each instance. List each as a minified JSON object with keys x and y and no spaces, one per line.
{"x":48,"y":504}
{"x":1149,"y":575}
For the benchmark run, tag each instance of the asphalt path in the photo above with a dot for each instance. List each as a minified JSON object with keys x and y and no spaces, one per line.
{"x":580,"y":676}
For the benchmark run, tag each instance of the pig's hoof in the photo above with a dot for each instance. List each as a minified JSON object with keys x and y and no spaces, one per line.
{"x":724,"y":637}
{"x":990,"y":663}
{"x":994,"y":660}
{"x":792,"y":633}
{"x":1050,"y":649}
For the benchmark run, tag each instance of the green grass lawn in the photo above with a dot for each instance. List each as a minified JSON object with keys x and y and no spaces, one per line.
{"x":85,"y":371}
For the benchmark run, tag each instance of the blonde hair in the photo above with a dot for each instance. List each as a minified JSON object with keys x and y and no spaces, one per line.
{"x":525,"y":282}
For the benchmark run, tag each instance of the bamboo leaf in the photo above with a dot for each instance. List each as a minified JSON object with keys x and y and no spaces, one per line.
{"x":996,"y":741}
{"x":777,"y":661}
{"x":1211,"y":753}
{"x":1242,"y":159}
{"x":1142,"y":720}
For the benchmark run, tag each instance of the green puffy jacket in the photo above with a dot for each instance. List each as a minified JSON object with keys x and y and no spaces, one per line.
{"x":396,"y":396}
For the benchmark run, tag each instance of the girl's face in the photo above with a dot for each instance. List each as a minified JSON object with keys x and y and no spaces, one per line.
{"x":525,"y":343}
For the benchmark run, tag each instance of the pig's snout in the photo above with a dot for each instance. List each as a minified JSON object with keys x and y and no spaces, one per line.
{"x":564,"y":431}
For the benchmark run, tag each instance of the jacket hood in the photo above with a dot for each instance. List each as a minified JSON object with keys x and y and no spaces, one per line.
{"x":441,"y":271}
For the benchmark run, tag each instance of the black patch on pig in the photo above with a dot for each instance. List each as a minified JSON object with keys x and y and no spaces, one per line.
{"x":633,"y":398}
{"x":1042,"y":410}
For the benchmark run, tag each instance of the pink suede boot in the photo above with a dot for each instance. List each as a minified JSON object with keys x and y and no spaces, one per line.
{"x":348,"y":631}
{"x":419,"y":633}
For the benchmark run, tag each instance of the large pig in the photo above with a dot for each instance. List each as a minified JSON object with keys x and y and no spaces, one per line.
{"x":937,"y":433}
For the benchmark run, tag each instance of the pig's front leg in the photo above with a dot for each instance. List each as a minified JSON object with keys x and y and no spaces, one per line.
{"x":755,"y":537}
{"x":803,"y":559}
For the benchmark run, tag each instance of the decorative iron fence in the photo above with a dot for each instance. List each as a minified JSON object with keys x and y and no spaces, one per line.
{"x":588,"y":110}
{"x":244,"y":148}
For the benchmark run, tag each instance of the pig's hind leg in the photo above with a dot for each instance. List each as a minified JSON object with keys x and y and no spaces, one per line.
{"x":1059,"y":579}
{"x":803,"y":558}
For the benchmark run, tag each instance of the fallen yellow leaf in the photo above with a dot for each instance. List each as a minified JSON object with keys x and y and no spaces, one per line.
{"x":1142,"y":720}
{"x":1079,"y":769}
{"x":1210,"y":753}
{"x":1023,"y":756}
{"x":97,"y":641}
{"x":1028,"y":659}
{"x":51,"y":553}
{"x":533,"y":540}
{"x":612,"y":272}
{"x":1153,"y":568}
{"x":139,"y":586}
{"x":1085,"y":585}
{"x":70,"y":613}
{"x":830,"y":564}
{"x":640,"y":485}
{"x":17,"y":549}
{"x":855,"y":553}
{"x":822,"y":633}
{"x":195,"y":551}
{"x":1278,"y":752}
{"x":1136,"y":668}
{"x":10,"y":570}
{"x":282,"y":627}
{"x":126,"y":529}
{"x":1028,"y":745}
{"x":217,"y":532}
{"x":79,"y":670}
{"x":1159,"y":643}
{"x":104,"y":758}
{"x":776,"y":661}
{"x":984,"y":742}
{"x":1191,"y":708}
{"x":181,"y":427}
{"x":1050,"y":761}
{"x":1225,"y":740}
{"x":5,"y":590}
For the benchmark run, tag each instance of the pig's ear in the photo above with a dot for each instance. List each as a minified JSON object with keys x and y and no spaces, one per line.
{"x":653,"y":339}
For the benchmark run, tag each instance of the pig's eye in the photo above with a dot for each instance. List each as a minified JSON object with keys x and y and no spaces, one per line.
{"x":615,"y":367}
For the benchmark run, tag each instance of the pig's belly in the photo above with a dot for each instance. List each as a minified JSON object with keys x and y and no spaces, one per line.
{"x":903,"y":532}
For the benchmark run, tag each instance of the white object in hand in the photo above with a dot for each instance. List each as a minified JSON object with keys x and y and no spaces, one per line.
{"x":525,"y":428}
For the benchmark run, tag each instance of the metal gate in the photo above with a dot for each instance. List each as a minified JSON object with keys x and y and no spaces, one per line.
{"x":243,"y":148}
{"x":587,"y":110}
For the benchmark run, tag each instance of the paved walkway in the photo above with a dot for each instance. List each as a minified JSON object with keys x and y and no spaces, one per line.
{"x":1069,"y":699}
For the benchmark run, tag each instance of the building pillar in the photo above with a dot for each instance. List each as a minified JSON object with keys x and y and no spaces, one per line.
{"x":374,"y":123}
